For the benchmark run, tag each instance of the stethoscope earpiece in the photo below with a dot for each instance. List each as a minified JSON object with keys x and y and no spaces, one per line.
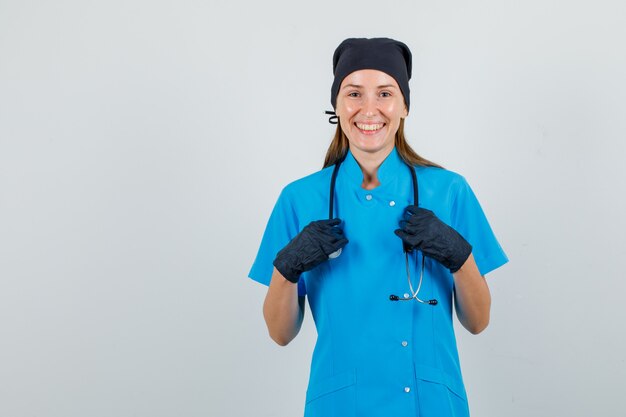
{"x":413,"y":295}
{"x":394,"y":297}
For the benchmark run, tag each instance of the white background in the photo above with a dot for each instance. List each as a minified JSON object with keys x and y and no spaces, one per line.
{"x":143,"y":145}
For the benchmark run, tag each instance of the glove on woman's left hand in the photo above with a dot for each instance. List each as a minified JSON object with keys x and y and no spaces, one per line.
{"x":424,"y":231}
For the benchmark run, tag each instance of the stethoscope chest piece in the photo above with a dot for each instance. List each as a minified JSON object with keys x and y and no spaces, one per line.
{"x":335,"y":254}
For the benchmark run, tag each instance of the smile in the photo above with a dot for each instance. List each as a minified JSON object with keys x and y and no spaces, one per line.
{"x":370,"y":127}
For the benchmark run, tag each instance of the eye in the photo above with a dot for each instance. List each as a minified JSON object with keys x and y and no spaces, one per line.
{"x":385,"y":94}
{"x":353,"y":94}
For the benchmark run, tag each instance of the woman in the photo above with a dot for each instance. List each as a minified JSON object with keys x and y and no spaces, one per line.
{"x":379,"y":352}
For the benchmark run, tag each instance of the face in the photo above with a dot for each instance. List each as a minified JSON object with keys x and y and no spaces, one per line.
{"x":370,"y":106}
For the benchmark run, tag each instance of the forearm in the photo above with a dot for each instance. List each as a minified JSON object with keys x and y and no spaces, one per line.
{"x":283,"y":310}
{"x":472,"y":298}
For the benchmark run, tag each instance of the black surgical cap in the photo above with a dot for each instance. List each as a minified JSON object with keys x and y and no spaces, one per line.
{"x":387,"y":55}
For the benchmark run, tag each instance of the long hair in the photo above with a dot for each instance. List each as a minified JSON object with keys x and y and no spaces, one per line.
{"x":339,"y":148}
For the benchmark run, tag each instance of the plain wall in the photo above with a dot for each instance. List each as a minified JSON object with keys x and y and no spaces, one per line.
{"x":143,"y":145}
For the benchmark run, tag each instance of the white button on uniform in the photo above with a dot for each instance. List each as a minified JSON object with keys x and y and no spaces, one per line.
{"x":392,"y":203}
{"x":368,"y":197}
{"x":406,"y":295}
{"x":407,"y":389}
{"x":405,"y":343}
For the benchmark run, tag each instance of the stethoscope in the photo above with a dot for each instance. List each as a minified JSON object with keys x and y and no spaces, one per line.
{"x":392,"y":297}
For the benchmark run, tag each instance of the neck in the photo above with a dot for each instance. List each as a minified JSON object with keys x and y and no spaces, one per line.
{"x":369,"y":163}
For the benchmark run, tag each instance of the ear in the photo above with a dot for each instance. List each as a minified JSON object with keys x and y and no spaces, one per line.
{"x":406,"y":113}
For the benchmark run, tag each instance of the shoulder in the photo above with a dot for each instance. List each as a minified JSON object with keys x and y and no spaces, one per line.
{"x":307,"y":198}
{"x":317,"y":181}
{"x":441,"y":178}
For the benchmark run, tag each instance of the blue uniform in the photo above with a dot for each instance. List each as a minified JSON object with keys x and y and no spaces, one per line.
{"x":376,"y":357}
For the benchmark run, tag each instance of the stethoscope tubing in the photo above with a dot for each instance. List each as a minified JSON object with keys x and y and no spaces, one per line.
{"x":331,"y":204}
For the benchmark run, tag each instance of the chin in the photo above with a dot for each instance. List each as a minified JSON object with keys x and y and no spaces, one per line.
{"x":369,"y":148}
{"x":372,"y":146}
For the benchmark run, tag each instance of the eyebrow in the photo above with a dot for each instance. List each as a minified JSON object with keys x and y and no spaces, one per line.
{"x":360,"y":86}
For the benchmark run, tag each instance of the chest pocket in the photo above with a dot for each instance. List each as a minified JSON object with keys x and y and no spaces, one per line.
{"x":332,"y":397}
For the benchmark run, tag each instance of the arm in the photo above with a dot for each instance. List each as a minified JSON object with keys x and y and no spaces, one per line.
{"x":472,"y":300}
{"x":283,"y":310}
{"x":423,"y":230}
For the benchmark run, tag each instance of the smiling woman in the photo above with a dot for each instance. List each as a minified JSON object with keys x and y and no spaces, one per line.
{"x":376,"y":356}
{"x":369,"y":107}
{"x":360,"y":92}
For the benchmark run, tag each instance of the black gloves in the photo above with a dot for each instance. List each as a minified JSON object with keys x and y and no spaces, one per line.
{"x":310,"y":248}
{"x":424,"y":231}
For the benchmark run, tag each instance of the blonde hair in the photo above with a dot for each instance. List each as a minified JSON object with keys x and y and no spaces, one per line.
{"x":339,"y":148}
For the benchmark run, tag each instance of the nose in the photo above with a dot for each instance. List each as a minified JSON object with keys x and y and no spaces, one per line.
{"x":370,"y":106}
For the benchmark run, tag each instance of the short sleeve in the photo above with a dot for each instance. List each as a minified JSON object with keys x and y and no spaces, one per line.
{"x":470,"y":221}
{"x":282,"y":226}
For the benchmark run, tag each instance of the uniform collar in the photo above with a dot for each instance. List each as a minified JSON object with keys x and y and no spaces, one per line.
{"x":387,"y":171}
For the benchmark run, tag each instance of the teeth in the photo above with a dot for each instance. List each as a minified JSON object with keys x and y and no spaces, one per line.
{"x":369,"y":126}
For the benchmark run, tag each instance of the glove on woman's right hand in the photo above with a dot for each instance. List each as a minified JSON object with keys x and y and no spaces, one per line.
{"x":310,"y":248}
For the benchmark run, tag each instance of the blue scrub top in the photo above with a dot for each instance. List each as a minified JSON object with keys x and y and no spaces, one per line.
{"x":373,"y":356}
